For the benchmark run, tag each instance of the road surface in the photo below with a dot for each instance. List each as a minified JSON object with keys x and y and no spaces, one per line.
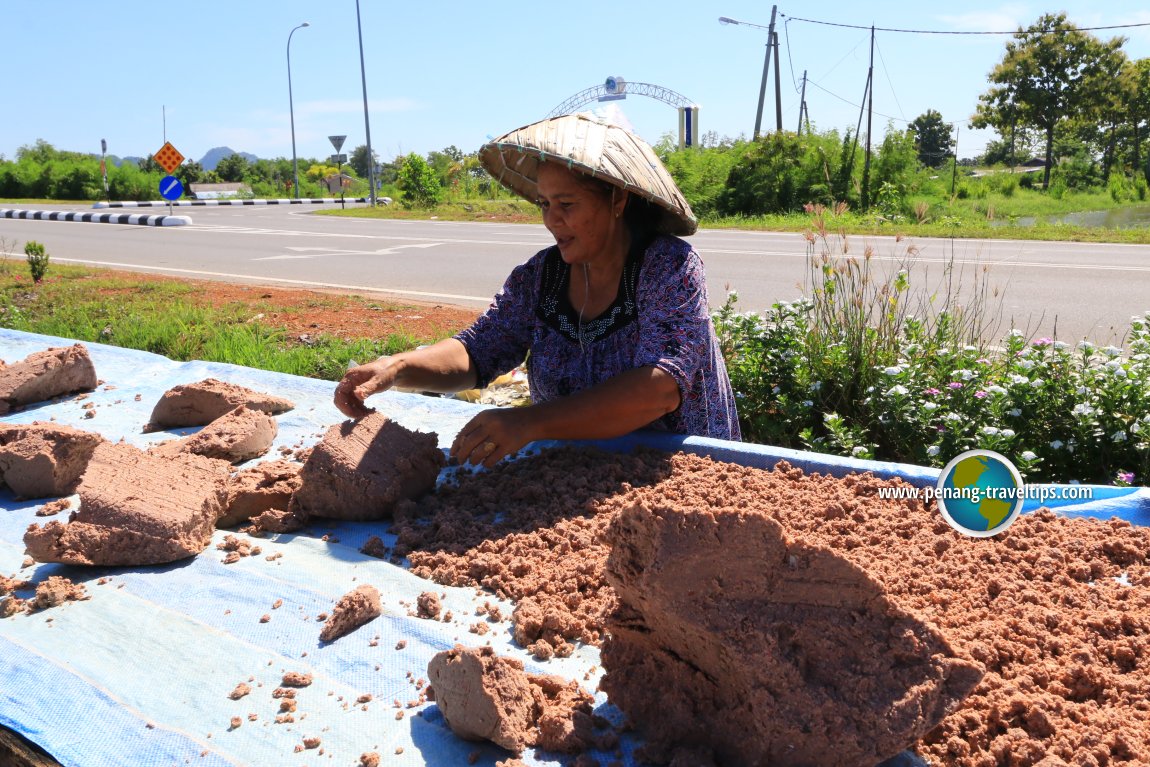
{"x":1067,"y":290}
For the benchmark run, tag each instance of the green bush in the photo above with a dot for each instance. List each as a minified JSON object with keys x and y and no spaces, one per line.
{"x":875,"y":367}
{"x":37,"y":260}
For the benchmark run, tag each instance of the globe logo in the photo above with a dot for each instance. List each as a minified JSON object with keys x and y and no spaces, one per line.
{"x":980,"y":493}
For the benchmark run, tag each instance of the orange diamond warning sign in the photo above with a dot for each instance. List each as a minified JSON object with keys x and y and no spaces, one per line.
{"x":168,"y":157}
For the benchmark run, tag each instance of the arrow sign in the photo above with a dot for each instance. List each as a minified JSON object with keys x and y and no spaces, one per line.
{"x":337,"y":142}
{"x":171,"y":188}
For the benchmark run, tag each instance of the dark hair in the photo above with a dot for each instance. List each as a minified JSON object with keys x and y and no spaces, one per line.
{"x":641,"y":216}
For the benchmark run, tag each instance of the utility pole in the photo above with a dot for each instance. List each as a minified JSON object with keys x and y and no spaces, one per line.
{"x":869,"y":121}
{"x":778,"y":89}
{"x":954,"y":169}
{"x":766,"y":68}
{"x":802,"y":105}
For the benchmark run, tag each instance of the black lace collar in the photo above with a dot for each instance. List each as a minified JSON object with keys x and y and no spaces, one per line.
{"x":556,"y":311}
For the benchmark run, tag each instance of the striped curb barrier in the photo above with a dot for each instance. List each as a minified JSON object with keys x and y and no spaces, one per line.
{"x":138,"y":219}
{"x":214,"y":203}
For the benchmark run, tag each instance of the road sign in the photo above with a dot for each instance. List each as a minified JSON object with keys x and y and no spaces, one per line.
{"x":169,"y":158}
{"x":339,"y":159}
{"x":171,"y":188}
{"x":337,"y":142}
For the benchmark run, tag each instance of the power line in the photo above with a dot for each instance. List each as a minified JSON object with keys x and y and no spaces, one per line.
{"x":888,"y":81}
{"x":949,"y":31}
{"x":859,"y":106}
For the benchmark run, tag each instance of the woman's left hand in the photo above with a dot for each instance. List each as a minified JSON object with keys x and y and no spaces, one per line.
{"x":491,"y":435}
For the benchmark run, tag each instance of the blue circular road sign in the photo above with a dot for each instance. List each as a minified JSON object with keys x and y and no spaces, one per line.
{"x":171,"y":188}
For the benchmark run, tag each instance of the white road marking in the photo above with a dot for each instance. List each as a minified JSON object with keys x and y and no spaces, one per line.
{"x":333,"y":252}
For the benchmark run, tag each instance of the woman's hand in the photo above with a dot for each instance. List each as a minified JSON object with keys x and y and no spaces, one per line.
{"x":361,"y":382}
{"x":493,"y":434}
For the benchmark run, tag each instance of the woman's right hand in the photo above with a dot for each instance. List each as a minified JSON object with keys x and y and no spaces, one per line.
{"x":361,"y":382}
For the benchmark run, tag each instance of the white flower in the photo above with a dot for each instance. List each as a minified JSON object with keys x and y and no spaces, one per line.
{"x":857,"y":451}
{"x":775,"y":390}
{"x":1015,"y":412}
{"x":953,"y":417}
{"x":1008,"y":433}
{"x":1085,"y":346}
{"x":1028,"y":455}
{"x":816,"y":385}
{"x":995,"y":389}
{"x":928,"y":406}
{"x":1056,"y":444}
{"x":1118,"y":436}
{"x":1037,"y":383}
{"x":893,"y":370}
{"x":808,"y":403}
{"x":1112,"y":364}
{"x":1015,"y":333}
{"x":1135,"y":428}
{"x":1082,"y":409}
{"x":1061,"y":346}
{"x":964,"y":374}
{"x":1112,"y":351}
{"x":1015,"y":378}
{"x":990,"y":431}
{"x":1119,"y":373}
{"x":897,"y":391}
{"x":1025,"y":364}
{"x":1081,"y":390}
{"x":932,"y":450}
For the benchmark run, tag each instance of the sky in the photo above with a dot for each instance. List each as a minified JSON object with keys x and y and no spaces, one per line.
{"x":208,"y":73}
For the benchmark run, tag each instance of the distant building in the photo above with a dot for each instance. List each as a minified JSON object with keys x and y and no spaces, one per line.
{"x":219,"y":191}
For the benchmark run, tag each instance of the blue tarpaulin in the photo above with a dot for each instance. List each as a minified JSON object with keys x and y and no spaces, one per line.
{"x":140,"y":673}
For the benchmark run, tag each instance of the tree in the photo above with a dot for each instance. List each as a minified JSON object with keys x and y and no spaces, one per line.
{"x":418,"y":182}
{"x":359,"y":162}
{"x":233,"y":168}
{"x":932,"y":138}
{"x":1052,"y":72}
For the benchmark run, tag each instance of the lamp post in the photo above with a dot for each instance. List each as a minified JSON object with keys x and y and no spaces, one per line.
{"x":291,"y":110}
{"x":366,"y":119}
{"x":771,"y":40}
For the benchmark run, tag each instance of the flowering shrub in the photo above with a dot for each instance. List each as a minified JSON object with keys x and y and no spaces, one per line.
{"x":921,"y":390}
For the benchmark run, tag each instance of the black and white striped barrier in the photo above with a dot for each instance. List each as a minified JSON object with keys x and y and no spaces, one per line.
{"x":214,"y":203}
{"x":139,"y":219}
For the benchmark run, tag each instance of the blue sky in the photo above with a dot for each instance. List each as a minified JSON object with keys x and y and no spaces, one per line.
{"x":454,"y":72}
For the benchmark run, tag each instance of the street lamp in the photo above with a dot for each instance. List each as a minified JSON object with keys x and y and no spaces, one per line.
{"x":771,"y":40}
{"x":366,"y":119}
{"x":291,"y":109}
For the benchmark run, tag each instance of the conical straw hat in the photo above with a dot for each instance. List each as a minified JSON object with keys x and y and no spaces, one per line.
{"x":603,"y":151}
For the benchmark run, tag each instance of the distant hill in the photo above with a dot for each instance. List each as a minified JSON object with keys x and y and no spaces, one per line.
{"x":213,"y":157}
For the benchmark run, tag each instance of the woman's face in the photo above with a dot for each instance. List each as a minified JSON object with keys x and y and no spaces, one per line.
{"x":584,"y":219}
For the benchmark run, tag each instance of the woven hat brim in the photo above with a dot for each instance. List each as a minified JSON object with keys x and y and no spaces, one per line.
{"x":600,"y":150}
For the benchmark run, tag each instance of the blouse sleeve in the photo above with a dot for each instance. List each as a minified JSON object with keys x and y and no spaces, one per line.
{"x":498,"y":341}
{"x":675,"y":323}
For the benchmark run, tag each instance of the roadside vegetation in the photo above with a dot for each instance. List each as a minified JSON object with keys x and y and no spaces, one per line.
{"x":867,"y":364}
{"x":171,"y":318}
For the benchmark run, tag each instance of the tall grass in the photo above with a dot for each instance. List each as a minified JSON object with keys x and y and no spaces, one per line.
{"x":890,"y":365}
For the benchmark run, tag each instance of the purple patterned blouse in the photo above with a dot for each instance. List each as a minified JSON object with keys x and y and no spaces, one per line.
{"x":660,"y":318}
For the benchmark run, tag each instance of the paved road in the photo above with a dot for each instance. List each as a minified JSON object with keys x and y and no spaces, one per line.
{"x":1066,"y":289}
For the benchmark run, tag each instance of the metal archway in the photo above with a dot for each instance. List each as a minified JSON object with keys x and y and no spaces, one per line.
{"x":615,"y":88}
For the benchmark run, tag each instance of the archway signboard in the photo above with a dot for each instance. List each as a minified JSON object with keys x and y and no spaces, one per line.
{"x":616,"y":88}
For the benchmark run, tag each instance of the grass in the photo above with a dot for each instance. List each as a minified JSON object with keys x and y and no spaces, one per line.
{"x":169,"y":318}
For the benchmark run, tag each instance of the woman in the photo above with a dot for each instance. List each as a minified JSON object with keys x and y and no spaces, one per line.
{"x":613,"y":319}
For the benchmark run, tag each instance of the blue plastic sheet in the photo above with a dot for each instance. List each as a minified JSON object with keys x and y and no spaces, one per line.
{"x":140,"y":673}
